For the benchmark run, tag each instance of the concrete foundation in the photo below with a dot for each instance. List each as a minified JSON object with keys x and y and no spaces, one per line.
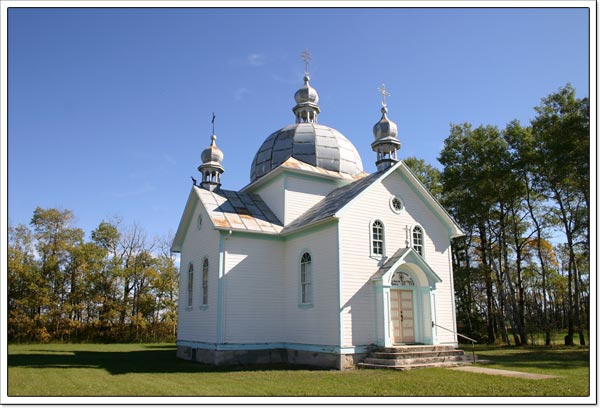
{"x":270,"y":356}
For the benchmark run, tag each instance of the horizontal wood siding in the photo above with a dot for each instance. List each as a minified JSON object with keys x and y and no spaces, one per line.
{"x":198,"y":323}
{"x":318,"y":324}
{"x":252,"y":290}
{"x":358,"y":265}
{"x":302,"y":194}
{"x":273,"y":195}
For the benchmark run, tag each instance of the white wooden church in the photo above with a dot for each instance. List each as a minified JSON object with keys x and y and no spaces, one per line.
{"x":314,"y":261}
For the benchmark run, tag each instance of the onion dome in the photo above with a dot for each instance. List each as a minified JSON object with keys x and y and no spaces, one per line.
{"x":211,"y":167}
{"x":307,"y":93}
{"x":212,"y":154}
{"x":306,"y":109}
{"x":385,"y":128}
{"x":386,"y":143}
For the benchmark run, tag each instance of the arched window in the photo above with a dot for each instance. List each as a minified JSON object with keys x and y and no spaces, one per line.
{"x":418,"y":240}
{"x":190,"y":286}
{"x":305,"y":279}
{"x":377,"y":238}
{"x":205,"y":282}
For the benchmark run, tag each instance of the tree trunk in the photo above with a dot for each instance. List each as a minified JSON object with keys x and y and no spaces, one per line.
{"x":489,"y":289}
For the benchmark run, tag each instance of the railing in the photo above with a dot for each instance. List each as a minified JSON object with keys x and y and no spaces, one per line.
{"x":473,"y":341}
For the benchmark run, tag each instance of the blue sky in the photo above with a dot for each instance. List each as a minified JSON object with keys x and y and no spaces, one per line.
{"x":110,"y":108}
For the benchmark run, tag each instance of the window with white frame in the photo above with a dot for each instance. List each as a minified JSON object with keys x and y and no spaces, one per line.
{"x":418,"y":239}
{"x":205,"y":282}
{"x":190,"y":286}
{"x":377,"y":238}
{"x":396,"y":204}
{"x":306,"y":279}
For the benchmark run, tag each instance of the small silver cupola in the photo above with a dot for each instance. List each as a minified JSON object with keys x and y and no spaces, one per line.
{"x":211,"y":167}
{"x":386,"y":143}
{"x":306,"y":109}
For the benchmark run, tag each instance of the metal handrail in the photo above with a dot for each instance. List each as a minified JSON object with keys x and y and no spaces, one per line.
{"x":473,"y":341}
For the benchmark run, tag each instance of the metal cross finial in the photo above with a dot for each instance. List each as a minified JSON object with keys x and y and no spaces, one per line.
{"x":306,"y":58}
{"x":383,"y":93}
{"x":213,"y":123}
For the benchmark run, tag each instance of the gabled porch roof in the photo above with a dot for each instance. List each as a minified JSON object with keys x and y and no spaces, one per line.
{"x":406,"y":255}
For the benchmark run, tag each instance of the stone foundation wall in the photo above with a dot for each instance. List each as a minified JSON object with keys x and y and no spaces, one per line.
{"x":234,"y":357}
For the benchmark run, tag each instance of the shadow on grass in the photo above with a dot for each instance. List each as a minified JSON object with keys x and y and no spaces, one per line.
{"x":538,"y":357}
{"x":158,"y":359}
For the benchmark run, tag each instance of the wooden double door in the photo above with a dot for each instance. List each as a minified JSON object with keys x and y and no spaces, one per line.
{"x":402,"y":316}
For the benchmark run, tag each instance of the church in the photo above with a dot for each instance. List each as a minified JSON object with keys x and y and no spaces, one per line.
{"x":314,"y":261}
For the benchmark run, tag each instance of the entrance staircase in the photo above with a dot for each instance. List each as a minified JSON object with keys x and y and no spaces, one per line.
{"x":409,"y":357}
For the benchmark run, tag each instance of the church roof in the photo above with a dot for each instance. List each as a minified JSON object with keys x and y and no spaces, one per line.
{"x":234,"y":210}
{"x":338,"y":199}
{"x":403,"y":255}
{"x":390,"y":262}
{"x":312,"y":143}
{"x":294,"y":165}
{"x":246,"y":211}
{"x":332,"y":203}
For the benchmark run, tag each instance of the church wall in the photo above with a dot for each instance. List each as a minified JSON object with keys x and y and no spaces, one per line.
{"x":436,"y":252}
{"x":252,"y":295}
{"x":302,"y":193}
{"x":199,"y":323}
{"x":358,"y":293}
{"x":273,"y":195}
{"x":319,"y":323}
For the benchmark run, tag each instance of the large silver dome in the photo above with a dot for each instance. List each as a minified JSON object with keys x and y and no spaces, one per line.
{"x":315,"y":144}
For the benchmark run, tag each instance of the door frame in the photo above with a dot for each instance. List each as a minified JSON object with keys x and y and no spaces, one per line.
{"x":424,"y":281}
{"x":415,"y":315}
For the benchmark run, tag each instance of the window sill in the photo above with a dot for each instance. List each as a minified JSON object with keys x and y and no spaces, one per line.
{"x":305,"y":305}
{"x":189,"y":308}
{"x":203,"y":307}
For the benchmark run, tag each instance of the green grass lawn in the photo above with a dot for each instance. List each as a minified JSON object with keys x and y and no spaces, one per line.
{"x":153,"y":370}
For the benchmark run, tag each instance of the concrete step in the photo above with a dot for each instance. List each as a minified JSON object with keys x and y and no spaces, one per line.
{"x":413,"y":361}
{"x":405,"y":349}
{"x":404,"y":367}
{"x":417,"y":354}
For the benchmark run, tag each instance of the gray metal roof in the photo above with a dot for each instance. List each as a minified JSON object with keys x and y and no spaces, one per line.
{"x":239,"y":211}
{"x":315,"y":144}
{"x":332,"y":203}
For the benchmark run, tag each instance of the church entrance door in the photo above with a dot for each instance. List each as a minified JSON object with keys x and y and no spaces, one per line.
{"x":402,"y":316}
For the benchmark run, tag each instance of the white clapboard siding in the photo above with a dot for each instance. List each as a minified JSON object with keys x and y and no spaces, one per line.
{"x":273,"y":195}
{"x":303,"y":193}
{"x":198,"y":323}
{"x":252,"y":290}
{"x":318,"y":324}
{"x":358,"y":265}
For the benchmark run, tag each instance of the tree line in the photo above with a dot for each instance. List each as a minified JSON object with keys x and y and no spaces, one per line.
{"x":511,"y":190}
{"x":114,"y":287}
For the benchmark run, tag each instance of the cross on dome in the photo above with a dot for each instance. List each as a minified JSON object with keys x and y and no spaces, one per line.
{"x":386,"y":142}
{"x":211,"y":167}
{"x":306,"y":58}
{"x":383,"y":93}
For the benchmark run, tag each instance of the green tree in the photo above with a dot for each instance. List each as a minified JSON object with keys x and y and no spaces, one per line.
{"x":428,"y":175}
{"x":561,"y":142}
{"x":56,"y":240}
